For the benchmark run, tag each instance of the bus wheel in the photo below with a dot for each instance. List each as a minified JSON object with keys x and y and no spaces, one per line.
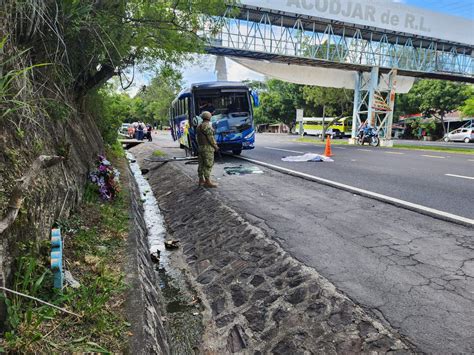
{"x":237,"y":151}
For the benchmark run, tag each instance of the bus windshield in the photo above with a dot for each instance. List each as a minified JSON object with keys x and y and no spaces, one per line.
{"x":230,"y":109}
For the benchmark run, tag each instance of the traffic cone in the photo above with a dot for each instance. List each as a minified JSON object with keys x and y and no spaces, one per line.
{"x":327,"y":151}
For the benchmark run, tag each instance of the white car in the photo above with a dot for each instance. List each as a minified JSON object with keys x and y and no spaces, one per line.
{"x":465,"y":135}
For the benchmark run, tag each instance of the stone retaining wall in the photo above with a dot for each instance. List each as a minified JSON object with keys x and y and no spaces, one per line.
{"x":258,"y":298}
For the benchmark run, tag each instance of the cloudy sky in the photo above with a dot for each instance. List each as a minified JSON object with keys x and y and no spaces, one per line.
{"x":203,"y":68}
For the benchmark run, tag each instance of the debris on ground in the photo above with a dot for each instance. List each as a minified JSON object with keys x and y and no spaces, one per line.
{"x":242,"y":170}
{"x":155,"y":256}
{"x":308,"y":157}
{"x":70,"y":280}
{"x":172,"y":244}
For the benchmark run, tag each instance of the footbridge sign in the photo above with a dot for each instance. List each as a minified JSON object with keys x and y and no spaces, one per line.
{"x":382,"y":14}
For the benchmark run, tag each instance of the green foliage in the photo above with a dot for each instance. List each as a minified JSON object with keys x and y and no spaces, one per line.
{"x":434,"y":98}
{"x":280,"y":101}
{"x":57,"y":110}
{"x":9,"y":102}
{"x":109,"y":109}
{"x":428,"y":126}
{"x":37,"y":328}
{"x":468,"y":108}
{"x":333,"y":102}
{"x":91,"y":41}
{"x":158,"y":153}
{"x":153,"y":102}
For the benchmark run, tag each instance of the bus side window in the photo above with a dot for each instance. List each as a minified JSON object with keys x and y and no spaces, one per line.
{"x":186,"y":106}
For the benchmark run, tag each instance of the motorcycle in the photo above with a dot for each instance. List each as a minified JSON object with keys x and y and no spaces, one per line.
{"x":371,"y":136}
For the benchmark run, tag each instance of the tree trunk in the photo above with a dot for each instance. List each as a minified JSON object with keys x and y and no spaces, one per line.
{"x":441,"y":117}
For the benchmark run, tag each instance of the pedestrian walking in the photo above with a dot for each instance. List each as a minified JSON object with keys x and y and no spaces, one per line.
{"x":140,"y":131}
{"x":207,"y":147}
{"x":148,"y":132}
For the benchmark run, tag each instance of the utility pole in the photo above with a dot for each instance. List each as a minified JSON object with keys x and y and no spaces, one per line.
{"x":323,"y":134}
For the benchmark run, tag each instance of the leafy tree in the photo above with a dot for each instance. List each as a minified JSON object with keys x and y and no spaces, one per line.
{"x":112,"y":107}
{"x":334,"y":102}
{"x":155,"y":100}
{"x":436,"y":98}
{"x":468,"y":108}
{"x":90,"y":41}
{"x":280,"y":101}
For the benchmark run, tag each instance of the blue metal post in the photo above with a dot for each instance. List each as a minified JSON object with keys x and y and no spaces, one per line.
{"x":356,"y":109}
{"x":57,"y":258}
{"x":374,"y":83}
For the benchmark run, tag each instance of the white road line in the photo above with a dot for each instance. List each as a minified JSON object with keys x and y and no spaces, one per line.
{"x":387,"y":199}
{"x":284,"y":150}
{"x":365,"y":150}
{"x":470,"y":160}
{"x":398,"y":153}
{"x":434,"y":156}
{"x":460,"y":176}
{"x":338,"y":147}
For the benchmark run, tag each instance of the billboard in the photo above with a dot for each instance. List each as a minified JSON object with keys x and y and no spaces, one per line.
{"x":382,"y":14}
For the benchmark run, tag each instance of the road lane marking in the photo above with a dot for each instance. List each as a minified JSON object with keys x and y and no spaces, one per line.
{"x":284,"y":150}
{"x":470,"y":160}
{"x":338,"y":147}
{"x":384,"y":198}
{"x":398,"y":153}
{"x":433,"y":156}
{"x":365,"y":150}
{"x":460,"y":176}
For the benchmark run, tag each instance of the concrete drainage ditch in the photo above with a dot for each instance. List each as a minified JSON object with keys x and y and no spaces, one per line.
{"x":177,"y":306}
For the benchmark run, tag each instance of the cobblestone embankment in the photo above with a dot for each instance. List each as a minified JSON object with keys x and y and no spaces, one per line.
{"x":258,"y":299}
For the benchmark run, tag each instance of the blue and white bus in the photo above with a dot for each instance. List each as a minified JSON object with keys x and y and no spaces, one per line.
{"x":230,"y":104}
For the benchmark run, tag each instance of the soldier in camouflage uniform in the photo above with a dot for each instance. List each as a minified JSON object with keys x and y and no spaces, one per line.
{"x":207,"y":146}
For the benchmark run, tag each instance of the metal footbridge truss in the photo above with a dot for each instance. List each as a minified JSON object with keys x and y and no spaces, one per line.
{"x":276,"y":36}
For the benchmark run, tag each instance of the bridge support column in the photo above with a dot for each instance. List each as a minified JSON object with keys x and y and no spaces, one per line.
{"x":373,"y":85}
{"x":357,"y":104}
{"x":374,"y":101}
{"x":387,"y":123}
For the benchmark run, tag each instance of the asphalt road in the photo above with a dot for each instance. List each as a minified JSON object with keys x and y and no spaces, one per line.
{"x":414,"y":272}
{"x":443,"y":181}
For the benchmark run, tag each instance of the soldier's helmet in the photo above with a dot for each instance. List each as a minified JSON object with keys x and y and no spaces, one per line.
{"x":206,"y":115}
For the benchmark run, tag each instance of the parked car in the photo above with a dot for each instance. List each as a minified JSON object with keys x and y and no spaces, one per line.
{"x":465,"y":135}
{"x":123,"y":130}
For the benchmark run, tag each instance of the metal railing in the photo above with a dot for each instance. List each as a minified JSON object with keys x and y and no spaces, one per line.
{"x":266,"y":35}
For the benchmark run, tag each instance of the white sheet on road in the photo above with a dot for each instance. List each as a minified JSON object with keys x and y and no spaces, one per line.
{"x":307,"y":157}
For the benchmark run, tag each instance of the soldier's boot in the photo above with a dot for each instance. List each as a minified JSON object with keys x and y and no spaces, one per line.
{"x":201,"y":182}
{"x":209,"y":184}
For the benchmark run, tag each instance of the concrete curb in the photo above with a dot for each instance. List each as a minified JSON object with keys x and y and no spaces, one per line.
{"x":376,"y":196}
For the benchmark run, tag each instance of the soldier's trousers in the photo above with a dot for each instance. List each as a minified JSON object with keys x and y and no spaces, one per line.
{"x":206,"y":161}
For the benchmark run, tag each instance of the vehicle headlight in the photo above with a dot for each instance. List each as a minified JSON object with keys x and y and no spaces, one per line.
{"x":250,"y":135}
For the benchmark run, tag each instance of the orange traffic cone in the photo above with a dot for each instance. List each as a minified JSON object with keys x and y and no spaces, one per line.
{"x":327,"y":151}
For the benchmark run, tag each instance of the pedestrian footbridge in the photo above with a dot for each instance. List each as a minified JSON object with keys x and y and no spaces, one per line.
{"x":371,"y":42}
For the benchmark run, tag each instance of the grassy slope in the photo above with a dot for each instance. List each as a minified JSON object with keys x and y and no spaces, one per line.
{"x":95,"y":239}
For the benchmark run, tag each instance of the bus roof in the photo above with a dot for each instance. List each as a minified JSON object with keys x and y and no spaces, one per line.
{"x":212,"y":85}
